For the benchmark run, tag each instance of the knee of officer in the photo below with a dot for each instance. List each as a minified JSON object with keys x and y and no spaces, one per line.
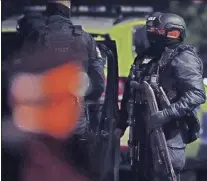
{"x":177,"y":156}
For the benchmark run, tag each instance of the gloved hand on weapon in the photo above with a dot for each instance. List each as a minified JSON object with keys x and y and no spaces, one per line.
{"x":158,"y":119}
{"x":119,"y":132}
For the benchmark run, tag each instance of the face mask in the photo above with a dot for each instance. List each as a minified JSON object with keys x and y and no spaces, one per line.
{"x":141,"y":42}
{"x":158,"y":43}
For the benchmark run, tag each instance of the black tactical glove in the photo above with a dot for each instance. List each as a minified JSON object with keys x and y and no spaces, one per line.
{"x":158,"y":119}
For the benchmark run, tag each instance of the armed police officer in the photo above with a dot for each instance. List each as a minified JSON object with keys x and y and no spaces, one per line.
{"x":179,"y":72}
{"x":73,"y":43}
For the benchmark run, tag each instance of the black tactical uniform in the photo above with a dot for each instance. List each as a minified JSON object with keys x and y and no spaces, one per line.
{"x":80,"y":46}
{"x":89,"y":53}
{"x":180,"y":75}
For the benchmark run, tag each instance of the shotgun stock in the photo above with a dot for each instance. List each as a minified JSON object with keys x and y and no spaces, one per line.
{"x":162,"y":154}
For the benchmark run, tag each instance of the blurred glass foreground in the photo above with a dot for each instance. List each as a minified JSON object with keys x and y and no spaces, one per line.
{"x":45,"y":108}
{"x":40,"y":100}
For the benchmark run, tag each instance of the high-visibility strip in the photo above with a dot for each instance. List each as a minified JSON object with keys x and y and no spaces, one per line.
{"x":8,"y":30}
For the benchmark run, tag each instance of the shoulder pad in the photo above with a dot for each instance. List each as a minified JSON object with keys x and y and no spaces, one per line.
{"x":182,"y":48}
{"x":186,"y":48}
{"x":77,"y":30}
{"x":170,"y":54}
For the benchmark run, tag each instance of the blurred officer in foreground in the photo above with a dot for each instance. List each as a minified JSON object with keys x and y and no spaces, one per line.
{"x":179,"y":71}
{"x":57,"y":68}
{"x":59,"y":11}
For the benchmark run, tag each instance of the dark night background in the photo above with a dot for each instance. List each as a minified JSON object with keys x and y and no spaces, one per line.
{"x":9,"y":7}
{"x":196,"y":21}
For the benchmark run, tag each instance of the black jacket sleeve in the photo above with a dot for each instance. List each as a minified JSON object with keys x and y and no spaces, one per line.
{"x":122,"y":123}
{"x":188,"y":71}
{"x":95,"y":70}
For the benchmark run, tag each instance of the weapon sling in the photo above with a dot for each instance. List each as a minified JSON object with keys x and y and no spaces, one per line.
{"x":158,"y":140}
{"x":158,"y":143}
{"x":134,"y":142}
{"x":162,"y":154}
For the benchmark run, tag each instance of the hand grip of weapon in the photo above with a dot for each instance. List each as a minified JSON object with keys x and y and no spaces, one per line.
{"x":135,"y":85}
{"x":161,"y":141}
{"x":164,"y":96}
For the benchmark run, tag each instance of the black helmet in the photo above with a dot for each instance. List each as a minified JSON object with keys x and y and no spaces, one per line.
{"x":154,"y":14}
{"x":140,"y":39}
{"x":170,"y":26}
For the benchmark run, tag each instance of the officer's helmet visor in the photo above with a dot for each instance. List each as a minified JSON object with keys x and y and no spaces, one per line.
{"x":159,"y":31}
{"x":169,"y":31}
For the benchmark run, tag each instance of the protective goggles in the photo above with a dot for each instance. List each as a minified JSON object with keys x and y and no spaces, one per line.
{"x":169,"y":33}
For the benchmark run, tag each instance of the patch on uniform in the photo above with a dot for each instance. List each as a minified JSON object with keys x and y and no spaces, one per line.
{"x":152,"y":18}
{"x":17,"y":61}
{"x":146,"y":60}
{"x":98,"y":52}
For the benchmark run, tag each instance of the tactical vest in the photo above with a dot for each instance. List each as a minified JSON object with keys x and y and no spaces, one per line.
{"x":48,"y":42}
